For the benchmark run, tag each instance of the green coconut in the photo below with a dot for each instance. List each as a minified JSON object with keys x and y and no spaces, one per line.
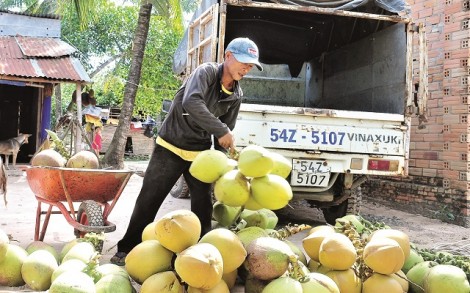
{"x":74,"y":265}
{"x":113,"y":283}
{"x":229,"y":245}
{"x":221,"y":287}
{"x":353,"y":220}
{"x":378,"y":282}
{"x":83,"y":251}
{"x":313,"y":265}
{"x":10,"y":267}
{"x":209,"y":165}
{"x":230,"y":278}
{"x":268,"y":258}
{"x":83,"y":159}
{"x":111,"y":269}
{"x":163,"y":282}
{"x":254,"y":285}
{"x":40,"y":245}
{"x":255,"y":161}
{"x":73,"y":282}
{"x":48,"y":157}
{"x":297,"y":251}
{"x":252,"y":204}
{"x":402,"y":279}
{"x":4,"y":241}
{"x":413,"y":259}
{"x":200,"y":266}
{"x":37,"y":269}
{"x":319,"y":283}
{"x":149,"y":232}
{"x":347,"y":280}
{"x":272,"y":218}
{"x":232,"y":189}
{"x":417,"y":274}
{"x":67,"y":246}
{"x":248,"y":234}
{"x":283,"y":284}
{"x":147,"y":258}
{"x":255,"y":218}
{"x":281,"y":165}
{"x":446,"y":278}
{"x":271,"y":191}
{"x":225,"y":215}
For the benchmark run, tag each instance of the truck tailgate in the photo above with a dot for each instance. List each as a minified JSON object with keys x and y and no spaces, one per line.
{"x":324,"y":130}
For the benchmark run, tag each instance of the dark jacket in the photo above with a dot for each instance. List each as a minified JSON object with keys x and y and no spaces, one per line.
{"x":199,"y":109}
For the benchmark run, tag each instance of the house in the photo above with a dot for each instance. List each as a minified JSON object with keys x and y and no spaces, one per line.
{"x":33,"y":59}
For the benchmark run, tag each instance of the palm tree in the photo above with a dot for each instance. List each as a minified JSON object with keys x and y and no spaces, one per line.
{"x":169,"y":10}
{"x":115,"y":154}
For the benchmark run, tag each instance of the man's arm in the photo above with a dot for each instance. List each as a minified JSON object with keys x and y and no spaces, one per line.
{"x":197,"y":87}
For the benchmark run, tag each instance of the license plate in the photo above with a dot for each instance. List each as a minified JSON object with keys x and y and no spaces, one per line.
{"x":310,"y":173}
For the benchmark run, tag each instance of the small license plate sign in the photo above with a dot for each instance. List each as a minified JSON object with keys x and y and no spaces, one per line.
{"x":310,"y":173}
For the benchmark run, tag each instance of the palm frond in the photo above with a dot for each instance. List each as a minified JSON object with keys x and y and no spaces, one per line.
{"x":84,"y":9}
{"x":171,"y":11}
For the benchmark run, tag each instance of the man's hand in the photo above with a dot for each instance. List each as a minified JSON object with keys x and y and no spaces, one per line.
{"x":227,"y":141}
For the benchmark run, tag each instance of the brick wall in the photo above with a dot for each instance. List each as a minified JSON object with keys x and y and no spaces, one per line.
{"x":438,"y":165}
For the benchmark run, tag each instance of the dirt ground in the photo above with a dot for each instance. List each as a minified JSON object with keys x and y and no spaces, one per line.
{"x":423,"y":231}
{"x":18,"y":219}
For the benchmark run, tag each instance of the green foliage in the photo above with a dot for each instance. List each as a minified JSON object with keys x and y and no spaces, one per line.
{"x":58,"y":144}
{"x":157,"y":79}
{"x":21,"y":4}
{"x":190,"y":5}
{"x":110,"y":33}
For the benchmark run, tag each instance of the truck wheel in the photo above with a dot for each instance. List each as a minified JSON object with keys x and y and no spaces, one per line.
{"x":350,"y":206}
{"x":89,"y":214}
{"x":180,"y":189}
{"x":355,"y":202}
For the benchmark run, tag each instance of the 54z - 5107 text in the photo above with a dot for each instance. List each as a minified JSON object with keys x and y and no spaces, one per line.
{"x":317,"y":137}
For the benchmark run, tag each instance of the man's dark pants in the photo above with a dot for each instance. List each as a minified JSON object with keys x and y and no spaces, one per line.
{"x":163,"y":171}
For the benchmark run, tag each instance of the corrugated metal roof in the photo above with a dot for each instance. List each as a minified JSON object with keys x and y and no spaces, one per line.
{"x":41,"y":15}
{"x":33,"y":57}
{"x":44,"y":47}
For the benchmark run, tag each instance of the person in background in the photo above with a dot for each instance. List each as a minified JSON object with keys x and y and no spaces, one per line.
{"x":206,"y":105}
{"x":97,"y":140}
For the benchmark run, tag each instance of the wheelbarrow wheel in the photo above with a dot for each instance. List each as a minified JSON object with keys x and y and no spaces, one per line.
{"x":89,"y":214}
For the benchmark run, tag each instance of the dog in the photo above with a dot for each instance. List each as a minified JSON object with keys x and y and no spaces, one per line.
{"x":12,"y":147}
{"x":3,"y":181}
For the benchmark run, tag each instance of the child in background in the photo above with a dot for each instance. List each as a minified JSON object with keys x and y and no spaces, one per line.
{"x":97,"y":140}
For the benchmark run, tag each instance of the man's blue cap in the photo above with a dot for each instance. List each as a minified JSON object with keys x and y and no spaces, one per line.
{"x":245,"y":51}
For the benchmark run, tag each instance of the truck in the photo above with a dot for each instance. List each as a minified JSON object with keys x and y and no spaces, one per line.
{"x":342,"y":81}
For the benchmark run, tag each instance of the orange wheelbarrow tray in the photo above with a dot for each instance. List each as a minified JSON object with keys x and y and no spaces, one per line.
{"x":94,"y":188}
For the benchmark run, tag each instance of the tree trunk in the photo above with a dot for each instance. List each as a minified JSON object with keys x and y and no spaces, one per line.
{"x":114,"y":156}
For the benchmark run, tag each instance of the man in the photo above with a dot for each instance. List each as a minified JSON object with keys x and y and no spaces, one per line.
{"x":206,"y":105}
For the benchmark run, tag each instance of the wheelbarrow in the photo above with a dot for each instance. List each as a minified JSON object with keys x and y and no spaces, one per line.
{"x":97,"y":190}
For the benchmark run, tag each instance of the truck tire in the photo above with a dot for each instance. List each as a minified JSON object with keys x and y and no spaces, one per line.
{"x":355,"y":202}
{"x":180,"y":189}
{"x":350,"y":206}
